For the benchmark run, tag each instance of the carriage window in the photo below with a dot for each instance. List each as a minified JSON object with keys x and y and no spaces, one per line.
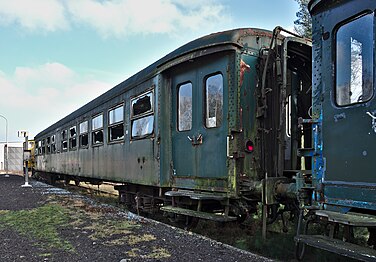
{"x":354,"y":61}
{"x":43,"y":146}
{"x":36,"y":149}
{"x":53,"y":144}
{"x":97,"y":126}
{"x":72,"y":138}
{"x":116,"y":124}
{"x":142,"y":105}
{"x":143,"y":126}
{"x":48,"y":145}
{"x":142,"y":115}
{"x":39,"y":147}
{"x":185,"y":107}
{"x":84,"y":138}
{"x":214,"y":101}
{"x":64,"y":143}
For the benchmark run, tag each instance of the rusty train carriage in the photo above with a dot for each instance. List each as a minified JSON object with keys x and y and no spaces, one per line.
{"x":234,"y":119}
{"x":195,"y":132}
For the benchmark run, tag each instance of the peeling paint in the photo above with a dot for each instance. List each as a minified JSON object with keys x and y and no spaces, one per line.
{"x":243,"y":68}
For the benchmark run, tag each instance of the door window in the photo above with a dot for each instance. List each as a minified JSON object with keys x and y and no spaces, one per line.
{"x":354,"y":61}
{"x":185,"y":107}
{"x":214,"y":101}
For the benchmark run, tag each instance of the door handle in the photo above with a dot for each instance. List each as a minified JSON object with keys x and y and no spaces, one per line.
{"x":195,"y":141}
{"x":199,"y":139}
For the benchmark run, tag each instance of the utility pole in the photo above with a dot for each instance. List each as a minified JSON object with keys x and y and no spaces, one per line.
{"x":6,"y":144}
{"x":26,"y":156}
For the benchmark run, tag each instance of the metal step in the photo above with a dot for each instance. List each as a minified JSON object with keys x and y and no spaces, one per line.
{"x":338,"y":247}
{"x":199,"y":214}
{"x":350,"y":218}
{"x":194,"y":195}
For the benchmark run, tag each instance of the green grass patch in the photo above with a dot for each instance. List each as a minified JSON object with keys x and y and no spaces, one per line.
{"x":40,"y":225}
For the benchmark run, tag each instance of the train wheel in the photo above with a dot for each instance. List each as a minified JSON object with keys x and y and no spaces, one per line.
{"x":66,"y":181}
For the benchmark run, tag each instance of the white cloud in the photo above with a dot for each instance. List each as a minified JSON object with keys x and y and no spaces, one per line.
{"x":34,"y":98}
{"x":47,"y":15}
{"x":115,"y":18}
{"x":123,"y":17}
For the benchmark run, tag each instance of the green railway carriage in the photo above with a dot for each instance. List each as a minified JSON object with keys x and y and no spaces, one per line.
{"x":195,"y":132}
{"x":238,"y":118}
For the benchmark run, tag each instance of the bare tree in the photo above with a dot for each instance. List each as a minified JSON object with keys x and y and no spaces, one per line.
{"x":303,"y":25}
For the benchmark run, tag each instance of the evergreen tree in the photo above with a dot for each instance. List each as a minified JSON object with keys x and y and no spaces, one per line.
{"x":303,"y":25}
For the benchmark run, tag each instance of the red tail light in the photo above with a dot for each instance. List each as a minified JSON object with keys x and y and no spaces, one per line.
{"x":249,"y":147}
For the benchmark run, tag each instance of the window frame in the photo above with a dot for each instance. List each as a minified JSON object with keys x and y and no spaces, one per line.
{"x":145,"y":114}
{"x":93,"y":143}
{"x":48,"y":145}
{"x":335,"y":61}
{"x":115,"y":124}
{"x":81,"y":134}
{"x":62,"y":141}
{"x":205,"y":99}
{"x":72,"y":138}
{"x":53,"y":144}
{"x":178,"y":86}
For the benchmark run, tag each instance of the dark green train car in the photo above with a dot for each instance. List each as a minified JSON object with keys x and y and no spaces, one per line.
{"x":195,"y":132}
{"x":344,"y":129}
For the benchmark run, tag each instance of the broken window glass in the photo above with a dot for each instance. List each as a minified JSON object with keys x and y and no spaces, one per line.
{"x":142,"y":126}
{"x":64,"y":134}
{"x":84,"y":140}
{"x":39,"y":147}
{"x":214,"y":101}
{"x":84,"y":137}
{"x":97,"y":137}
{"x":72,"y":131}
{"x":53,"y":148}
{"x":116,"y":132}
{"x":72,"y":138}
{"x":142,"y":105}
{"x":97,"y":133}
{"x":64,"y":137}
{"x":48,"y":146}
{"x":115,"y":124}
{"x":354,"y":61}
{"x":185,"y":107}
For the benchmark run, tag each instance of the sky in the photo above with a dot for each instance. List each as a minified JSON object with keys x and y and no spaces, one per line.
{"x":57,"y":55}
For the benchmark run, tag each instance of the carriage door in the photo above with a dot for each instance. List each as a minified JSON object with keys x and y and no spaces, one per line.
{"x":349,"y":124}
{"x":199,"y":124}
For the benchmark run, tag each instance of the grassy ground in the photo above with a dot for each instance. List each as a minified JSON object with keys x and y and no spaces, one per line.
{"x":278,"y":245}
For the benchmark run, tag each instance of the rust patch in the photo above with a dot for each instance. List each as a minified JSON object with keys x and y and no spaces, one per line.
{"x":243,"y":68}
